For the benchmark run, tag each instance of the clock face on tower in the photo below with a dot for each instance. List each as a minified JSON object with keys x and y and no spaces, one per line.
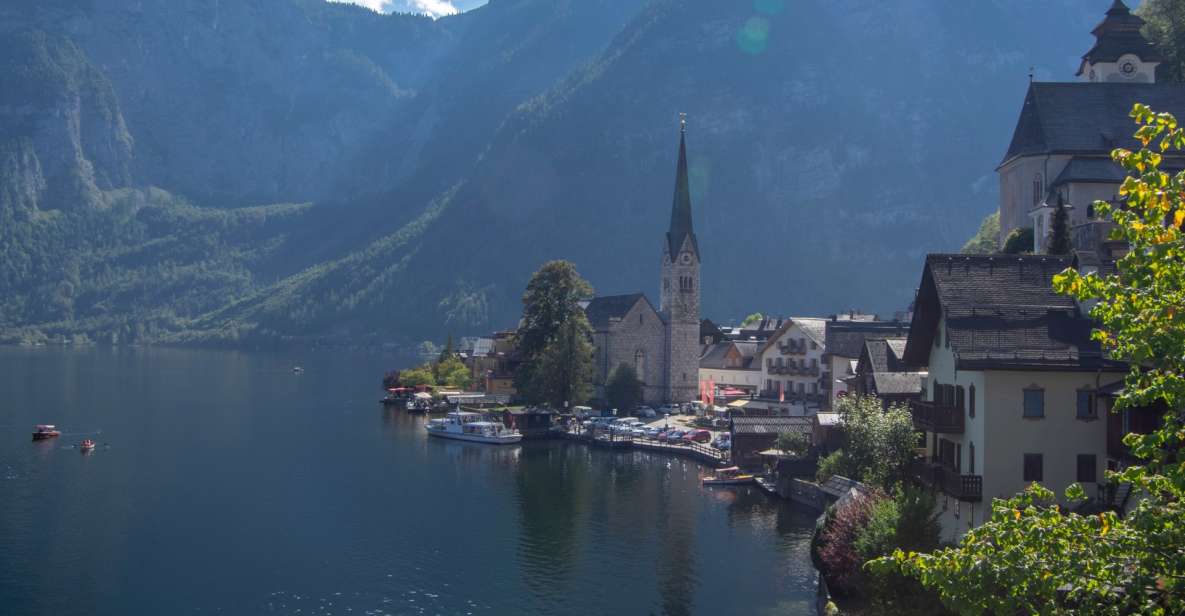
{"x":1128,"y":65}
{"x":685,"y":258}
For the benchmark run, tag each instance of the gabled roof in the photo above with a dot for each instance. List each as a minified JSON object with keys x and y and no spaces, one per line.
{"x":1084,"y":169}
{"x":846,"y":338}
{"x":1002,"y":313}
{"x":601,"y":309}
{"x":897,"y":383}
{"x":1086,"y":118}
{"x":813,"y":327}
{"x":717,"y":354}
{"x":770,"y":425}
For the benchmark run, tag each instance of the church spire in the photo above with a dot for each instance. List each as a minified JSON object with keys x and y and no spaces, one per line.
{"x":681,"y":226}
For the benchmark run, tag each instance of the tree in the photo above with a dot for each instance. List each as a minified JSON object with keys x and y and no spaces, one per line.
{"x":987,"y":239}
{"x":447,"y":351}
{"x":565,"y":368}
{"x":1059,"y":235}
{"x":1019,"y":241}
{"x":878,"y":444}
{"x":624,"y":390}
{"x":553,"y":295}
{"x":1032,"y":557}
{"x":452,"y":372}
{"x":793,"y":442}
{"x":752,"y":319}
{"x":420,"y":375}
{"x":1165,"y":28}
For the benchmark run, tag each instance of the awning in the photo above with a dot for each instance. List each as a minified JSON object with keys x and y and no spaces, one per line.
{"x":423,"y":395}
{"x":739,"y":404}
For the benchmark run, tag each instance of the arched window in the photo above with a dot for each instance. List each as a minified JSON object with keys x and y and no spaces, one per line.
{"x":640,"y":364}
{"x":971,"y":410}
{"x":1038,"y":190}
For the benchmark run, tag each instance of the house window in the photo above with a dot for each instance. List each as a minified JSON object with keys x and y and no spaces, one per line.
{"x":971,"y":458}
{"x":971,"y":400}
{"x":1086,"y":404}
{"x":1034,"y":402}
{"x":1038,"y":189}
{"x":1087,"y":466}
{"x":1034,"y":467}
{"x":959,"y":399}
{"x":814,"y":345}
{"x":814,"y":388}
{"x":641,"y":319}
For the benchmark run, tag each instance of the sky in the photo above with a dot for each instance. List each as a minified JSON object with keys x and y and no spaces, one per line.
{"x":432,"y":8}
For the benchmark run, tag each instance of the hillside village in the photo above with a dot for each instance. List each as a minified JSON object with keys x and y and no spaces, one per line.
{"x":999,"y":371}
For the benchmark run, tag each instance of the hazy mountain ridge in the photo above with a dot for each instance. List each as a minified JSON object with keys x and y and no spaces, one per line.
{"x":831,"y":144}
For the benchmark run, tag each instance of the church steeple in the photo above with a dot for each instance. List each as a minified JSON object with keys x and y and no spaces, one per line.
{"x":1120,"y":53}
{"x":681,"y":226}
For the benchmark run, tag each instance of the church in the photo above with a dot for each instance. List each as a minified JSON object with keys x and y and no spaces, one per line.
{"x":661,"y":343}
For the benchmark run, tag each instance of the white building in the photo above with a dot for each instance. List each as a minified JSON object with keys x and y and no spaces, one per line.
{"x":791,"y":365}
{"x":1013,"y":386}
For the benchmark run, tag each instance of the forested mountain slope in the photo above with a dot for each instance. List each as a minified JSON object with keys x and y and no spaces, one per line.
{"x":437,"y":163}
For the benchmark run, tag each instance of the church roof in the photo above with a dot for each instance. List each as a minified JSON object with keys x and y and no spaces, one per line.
{"x":681,"y":227}
{"x":1118,"y":34}
{"x":1086,"y":118}
{"x":601,"y":309}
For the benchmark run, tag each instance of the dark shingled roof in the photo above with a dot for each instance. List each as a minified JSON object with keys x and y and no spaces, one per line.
{"x":716,"y":354}
{"x":601,"y":309}
{"x":681,"y":227}
{"x":770,"y":425}
{"x":846,"y":338}
{"x":1086,"y":118}
{"x":1002,"y":312}
{"x":1083,"y":169}
{"x":1119,"y":34}
{"x":897,"y":383}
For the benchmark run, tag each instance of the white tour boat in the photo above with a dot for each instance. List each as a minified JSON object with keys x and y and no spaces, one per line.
{"x":465,"y":426}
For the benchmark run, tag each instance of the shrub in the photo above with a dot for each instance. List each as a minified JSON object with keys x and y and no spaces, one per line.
{"x":842,"y":561}
{"x":1019,"y":241}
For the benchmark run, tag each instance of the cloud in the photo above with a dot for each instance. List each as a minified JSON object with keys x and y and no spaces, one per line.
{"x":431,"y":8}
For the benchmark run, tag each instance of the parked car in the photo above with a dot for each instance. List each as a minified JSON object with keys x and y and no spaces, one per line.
{"x":653,"y":432}
{"x":674,"y":436}
{"x":669,"y":409}
{"x":722,"y":442}
{"x":638,"y":432}
{"x":697,"y":436}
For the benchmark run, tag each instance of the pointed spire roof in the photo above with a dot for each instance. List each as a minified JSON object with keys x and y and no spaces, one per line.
{"x":681,"y":226}
{"x":1118,"y":34}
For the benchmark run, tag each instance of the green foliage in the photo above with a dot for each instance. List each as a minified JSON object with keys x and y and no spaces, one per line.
{"x":878,"y":444}
{"x":987,"y":239}
{"x":1059,"y":235}
{"x":624,"y":390}
{"x":420,"y":375}
{"x":838,"y":550}
{"x":552,"y":297}
{"x":451,"y":372}
{"x":752,"y":319}
{"x":1032,"y":557}
{"x":793,"y":442}
{"x":1019,"y":241}
{"x":563,"y":374}
{"x":1165,"y":28}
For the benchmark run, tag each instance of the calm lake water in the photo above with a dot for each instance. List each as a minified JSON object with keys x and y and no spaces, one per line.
{"x":225,"y":484}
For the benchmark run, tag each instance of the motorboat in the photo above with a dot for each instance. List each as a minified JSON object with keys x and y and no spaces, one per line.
{"x":467,"y":426}
{"x":86,"y":445}
{"x":728,"y":477}
{"x":45,"y":431}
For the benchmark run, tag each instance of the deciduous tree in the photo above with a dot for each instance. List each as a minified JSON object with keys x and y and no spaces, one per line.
{"x":564,"y":372}
{"x":624,"y":390}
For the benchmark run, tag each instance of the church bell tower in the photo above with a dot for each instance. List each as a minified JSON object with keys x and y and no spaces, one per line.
{"x":680,"y":296}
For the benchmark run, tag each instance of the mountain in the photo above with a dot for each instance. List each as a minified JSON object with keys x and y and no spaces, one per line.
{"x":203,"y":171}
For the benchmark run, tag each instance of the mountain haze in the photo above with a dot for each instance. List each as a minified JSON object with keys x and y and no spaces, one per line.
{"x":207,"y":171}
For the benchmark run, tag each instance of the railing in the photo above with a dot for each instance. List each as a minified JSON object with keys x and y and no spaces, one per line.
{"x":963,"y":487}
{"x":792,"y":348}
{"x":936,"y":417}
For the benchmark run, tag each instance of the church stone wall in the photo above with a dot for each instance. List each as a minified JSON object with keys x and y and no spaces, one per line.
{"x":641,"y":329}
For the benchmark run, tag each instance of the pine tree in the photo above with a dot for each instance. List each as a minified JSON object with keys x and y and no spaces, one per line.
{"x":1059,"y":236}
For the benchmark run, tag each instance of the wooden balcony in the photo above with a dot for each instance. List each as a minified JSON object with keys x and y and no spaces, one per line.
{"x":967,"y":488}
{"x":937,"y":417}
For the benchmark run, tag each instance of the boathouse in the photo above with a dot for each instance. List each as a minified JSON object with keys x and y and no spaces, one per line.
{"x":752,"y":435}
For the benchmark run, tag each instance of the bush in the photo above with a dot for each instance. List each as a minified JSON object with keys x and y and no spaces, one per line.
{"x":842,"y":562}
{"x":832,"y":464}
{"x":986,"y":240}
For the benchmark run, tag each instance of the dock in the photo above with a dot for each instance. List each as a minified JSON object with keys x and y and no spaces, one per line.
{"x":703,"y":453}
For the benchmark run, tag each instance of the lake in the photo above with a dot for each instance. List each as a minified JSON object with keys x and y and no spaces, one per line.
{"x":226,"y":484}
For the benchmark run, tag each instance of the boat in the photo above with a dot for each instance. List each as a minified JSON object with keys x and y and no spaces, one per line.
{"x":297,"y":370}
{"x":86,"y":445}
{"x":467,"y":426}
{"x":45,"y":431}
{"x":730,"y":476}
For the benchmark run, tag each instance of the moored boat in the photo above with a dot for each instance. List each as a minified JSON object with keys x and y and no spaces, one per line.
{"x":466,"y":426}
{"x":86,"y":445}
{"x":730,"y":476}
{"x":45,"y":431}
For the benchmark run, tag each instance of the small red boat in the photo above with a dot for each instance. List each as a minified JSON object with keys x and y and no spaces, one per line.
{"x":86,"y":445}
{"x":45,"y":431}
